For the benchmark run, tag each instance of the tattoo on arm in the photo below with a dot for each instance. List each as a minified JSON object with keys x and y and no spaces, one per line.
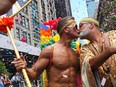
{"x":36,"y":68}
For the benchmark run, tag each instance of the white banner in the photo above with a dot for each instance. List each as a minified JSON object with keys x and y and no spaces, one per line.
{"x":21,"y":46}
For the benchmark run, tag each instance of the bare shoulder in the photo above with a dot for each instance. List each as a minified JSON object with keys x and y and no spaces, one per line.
{"x":47,"y":52}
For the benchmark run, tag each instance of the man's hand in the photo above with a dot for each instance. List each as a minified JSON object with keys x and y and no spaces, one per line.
{"x":19,"y":63}
{"x":6,"y":5}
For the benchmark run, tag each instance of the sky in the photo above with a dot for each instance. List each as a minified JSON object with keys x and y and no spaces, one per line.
{"x":79,"y":9}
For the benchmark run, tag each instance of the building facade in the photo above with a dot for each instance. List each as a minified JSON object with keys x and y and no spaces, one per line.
{"x":27,"y":21}
{"x":84,"y":8}
{"x":92,"y":8}
{"x":63,"y":8}
{"x":26,"y":27}
{"x":47,"y":10}
{"x":79,"y":9}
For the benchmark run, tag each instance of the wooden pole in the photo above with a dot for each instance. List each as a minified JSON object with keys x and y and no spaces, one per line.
{"x":15,"y":48}
{"x":21,"y":8}
{"x":18,"y":56}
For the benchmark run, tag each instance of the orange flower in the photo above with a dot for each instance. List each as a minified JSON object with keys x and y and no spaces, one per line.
{"x":6,"y":21}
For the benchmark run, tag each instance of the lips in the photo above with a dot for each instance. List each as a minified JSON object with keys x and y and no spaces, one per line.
{"x":79,"y":32}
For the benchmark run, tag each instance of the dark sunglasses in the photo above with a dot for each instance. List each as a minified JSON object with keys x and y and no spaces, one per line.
{"x":81,"y":24}
{"x":75,"y":27}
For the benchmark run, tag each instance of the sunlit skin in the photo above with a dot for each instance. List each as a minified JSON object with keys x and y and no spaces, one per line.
{"x":99,"y":52}
{"x":91,"y":32}
{"x":65,"y":61}
{"x":84,"y":31}
{"x":6,"y":5}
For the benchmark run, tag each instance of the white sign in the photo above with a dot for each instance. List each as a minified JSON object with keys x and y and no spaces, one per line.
{"x":21,"y":46}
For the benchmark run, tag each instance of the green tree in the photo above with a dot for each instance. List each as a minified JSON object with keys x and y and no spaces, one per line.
{"x":107,"y":14}
{"x":3,"y":69}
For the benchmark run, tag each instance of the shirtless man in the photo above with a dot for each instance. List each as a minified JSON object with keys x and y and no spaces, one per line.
{"x":60,"y":61}
{"x":5,"y":6}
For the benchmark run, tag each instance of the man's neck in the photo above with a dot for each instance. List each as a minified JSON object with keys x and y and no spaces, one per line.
{"x":65,"y":42}
{"x":97,"y":38}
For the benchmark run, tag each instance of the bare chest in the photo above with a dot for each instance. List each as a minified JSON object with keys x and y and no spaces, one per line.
{"x":65,"y":58}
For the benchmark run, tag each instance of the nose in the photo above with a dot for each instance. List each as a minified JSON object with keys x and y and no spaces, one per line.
{"x":78,"y":30}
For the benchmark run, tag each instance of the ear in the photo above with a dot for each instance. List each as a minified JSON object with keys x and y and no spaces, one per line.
{"x":92,"y":25}
{"x":66,"y":30}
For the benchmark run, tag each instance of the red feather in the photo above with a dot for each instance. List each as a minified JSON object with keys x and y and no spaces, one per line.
{"x":6,"y":21}
{"x":52,"y":23}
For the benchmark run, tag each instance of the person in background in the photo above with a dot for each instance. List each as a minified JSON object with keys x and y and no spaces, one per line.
{"x":6,"y":5}
{"x":59,"y":59}
{"x":98,"y":59}
{"x":1,"y":80}
{"x":16,"y":80}
{"x":7,"y":81}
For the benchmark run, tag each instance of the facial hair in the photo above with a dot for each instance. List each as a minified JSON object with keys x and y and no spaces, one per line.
{"x":84,"y":33}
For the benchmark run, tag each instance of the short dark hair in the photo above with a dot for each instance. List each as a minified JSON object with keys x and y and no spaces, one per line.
{"x":61,"y":24}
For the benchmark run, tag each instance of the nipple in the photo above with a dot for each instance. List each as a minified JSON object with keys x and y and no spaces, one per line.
{"x":65,"y":76}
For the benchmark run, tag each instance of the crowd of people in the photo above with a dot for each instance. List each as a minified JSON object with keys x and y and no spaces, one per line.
{"x":14,"y":81}
{"x":96,"y":61}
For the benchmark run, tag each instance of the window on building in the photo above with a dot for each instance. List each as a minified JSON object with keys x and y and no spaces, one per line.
{"x":24,"y":36}
{"x":35,"y":44}
{"x":27,"y":23}
{"x":24,"y":33}
{"x":23,"y":21}
{"x":25,"y":10}
{"x":34,"y":3}
{"x":17,"y":33}
{"x":29,"y":39}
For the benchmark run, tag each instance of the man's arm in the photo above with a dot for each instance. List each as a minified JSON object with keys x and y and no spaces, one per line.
{"x":99,"y":59}
{"x":6,"y":5}
{"x":41,"y":64}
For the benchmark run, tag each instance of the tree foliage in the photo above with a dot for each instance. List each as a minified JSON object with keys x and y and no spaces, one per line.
{"x":3,"y":69}
{"x":107,"y":14}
